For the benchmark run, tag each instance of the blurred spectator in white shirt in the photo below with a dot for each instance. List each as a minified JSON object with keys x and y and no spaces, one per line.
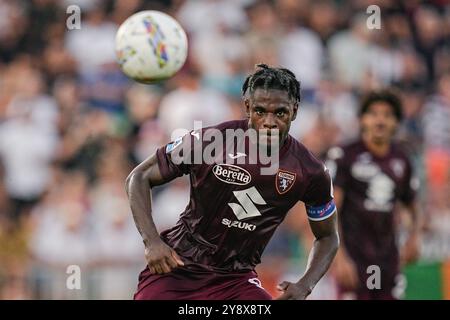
{"x":146,"y":132}
{"x":191,"y":102}
{"x":300,"y":48}
{"x":60,"y":229}
{"x":350,"y":53}
{"x":28,"y":141}
{"x":117,"y":249}
{"x":170,"y":202}
{"x":210,"y":15}
{"x":60,"y":237}
{"x":93,"y":45}
{"x":302,"y":52}
{"x":340,"y":107}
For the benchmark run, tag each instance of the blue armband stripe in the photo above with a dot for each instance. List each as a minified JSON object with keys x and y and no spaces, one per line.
{"x":317,"y":213}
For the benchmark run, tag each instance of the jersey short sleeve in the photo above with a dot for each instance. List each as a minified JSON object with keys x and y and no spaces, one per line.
{"x":176,"y":158}
{"x":318,"y":197}
{"x":338,"y":166}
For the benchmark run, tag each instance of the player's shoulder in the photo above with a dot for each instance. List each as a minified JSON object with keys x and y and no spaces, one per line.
{"x":345,"y":151}
{"x":399,"y":151}
{"x":309,"y":163}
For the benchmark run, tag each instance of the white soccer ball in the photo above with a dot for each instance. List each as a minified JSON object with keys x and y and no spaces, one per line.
{"x":151,"y":46}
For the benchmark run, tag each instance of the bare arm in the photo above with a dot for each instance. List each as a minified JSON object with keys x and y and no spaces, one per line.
{"x":338,"y":200}
{"x":138,"y":186}
{"x":410,"y":252}
{"x":160,"y":257}
{"x":416,"y":217}
{"x":324,"y":249}
{"x":343,"y":268}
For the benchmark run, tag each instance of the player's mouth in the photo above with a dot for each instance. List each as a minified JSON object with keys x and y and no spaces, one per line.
{"x":382,"y":128}
{"x":380,"y":131}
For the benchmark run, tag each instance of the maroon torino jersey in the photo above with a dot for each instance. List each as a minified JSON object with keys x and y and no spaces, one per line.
{"x":234,"y":210}
{"x":372,"y":185}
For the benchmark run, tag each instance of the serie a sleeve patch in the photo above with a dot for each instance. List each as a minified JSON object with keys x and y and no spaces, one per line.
{"x":174,"y":144}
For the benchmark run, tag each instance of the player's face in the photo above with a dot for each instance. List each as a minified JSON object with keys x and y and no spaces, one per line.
{"x":269,"y":110}
{"x":379,"y":122}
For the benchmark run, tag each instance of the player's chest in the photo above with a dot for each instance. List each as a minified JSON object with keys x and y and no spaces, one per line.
{"x":277,"y":185}
{"x":381,"y":176}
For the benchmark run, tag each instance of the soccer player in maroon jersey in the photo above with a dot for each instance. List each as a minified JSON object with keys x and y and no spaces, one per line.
{"x":234,"y":209}
{"x":371,"y":176}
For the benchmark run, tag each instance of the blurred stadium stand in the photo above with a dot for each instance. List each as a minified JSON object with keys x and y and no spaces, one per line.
{"x":72,"y":126}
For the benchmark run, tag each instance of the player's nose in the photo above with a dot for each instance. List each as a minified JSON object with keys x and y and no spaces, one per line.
{"x":269,"y":122}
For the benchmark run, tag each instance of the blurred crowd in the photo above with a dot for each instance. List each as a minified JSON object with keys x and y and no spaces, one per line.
{"x":72,"y":126}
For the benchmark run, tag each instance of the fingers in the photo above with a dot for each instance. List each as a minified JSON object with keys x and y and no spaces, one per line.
{"x":162,"y":259}
{"x":166,"y":265}
{"x":292,"y":291}
{"x":283,"y":286}
{"x":171,"y":262}
{"x":410,"y":251}
{"x":158,"y":268}
{"x":174,"y":261}
{"x":177,"y":259}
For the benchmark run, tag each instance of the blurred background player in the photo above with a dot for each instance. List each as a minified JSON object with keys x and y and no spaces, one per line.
{"x":371,"y":176}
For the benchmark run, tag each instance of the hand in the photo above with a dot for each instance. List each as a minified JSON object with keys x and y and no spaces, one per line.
{"x":161,"y":258}
{"x":345,"y":271}
{"x":411,"y":250}
{"x":293,"y":291}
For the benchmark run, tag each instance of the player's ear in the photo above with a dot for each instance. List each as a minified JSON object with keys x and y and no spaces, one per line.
{"x":247,"y":107}
{"x":294,"y":115}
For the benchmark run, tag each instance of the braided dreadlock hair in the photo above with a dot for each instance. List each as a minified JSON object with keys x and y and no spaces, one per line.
{"x":273,"y":78}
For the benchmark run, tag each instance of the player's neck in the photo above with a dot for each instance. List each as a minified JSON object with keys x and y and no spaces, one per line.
{"x":379,"y":149}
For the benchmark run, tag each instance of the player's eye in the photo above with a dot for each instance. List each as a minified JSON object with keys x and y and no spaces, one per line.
{"x":259,"y":112}
{"x":280,"y":113}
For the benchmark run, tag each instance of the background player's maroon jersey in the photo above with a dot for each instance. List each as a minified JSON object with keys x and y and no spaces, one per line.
{"x":372,"y":185}
{"x":234,"y":210}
